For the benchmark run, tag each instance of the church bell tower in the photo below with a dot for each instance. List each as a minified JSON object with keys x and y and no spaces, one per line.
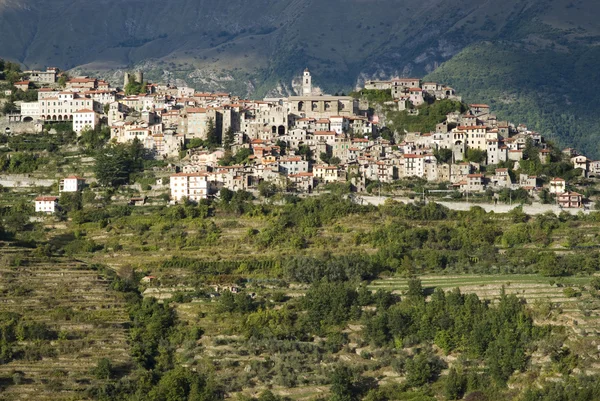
{"x":306,"y":83}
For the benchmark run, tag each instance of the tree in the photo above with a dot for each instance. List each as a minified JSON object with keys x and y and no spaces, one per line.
{"x":226,"y":302}
{"x":455,"y":385}
{"x":549,"y":266}
{"x":304,"y":150}
{"x":282,"y":147}
{"x":228,"y":139}
{"x":342,"y":384}
{"x":415,"y":293}
{"x":422,"y":369}
{"x":115,"y":163}
{"x":112,"y":168}
{"x":212,"y":136}
{"x":239,"y":158}
{"x":182,"y":384}
{"x":134,"y":87}
{"x":546,"y":197}
{"x":266,"y":189}
{"x":443,"y":155}
{"x":70,"y":201}
{"x":476,"y":155}
{"x":12,"y":76}
{"x":226,"y":195}
{"x":104,"y":369}
{"x":329,"y":303}
{"x":9,"y":107}
{"x":62,"y":80}
{"x":93,"y":139}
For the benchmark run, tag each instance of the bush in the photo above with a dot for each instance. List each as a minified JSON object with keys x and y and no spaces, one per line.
{"x":571,"y":292}
{"x":104,"y":369}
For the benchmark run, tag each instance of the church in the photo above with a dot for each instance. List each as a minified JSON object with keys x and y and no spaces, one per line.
{"x":311,"y":105}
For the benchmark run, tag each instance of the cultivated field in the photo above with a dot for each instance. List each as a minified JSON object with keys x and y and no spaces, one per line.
{"x":89,"y":322}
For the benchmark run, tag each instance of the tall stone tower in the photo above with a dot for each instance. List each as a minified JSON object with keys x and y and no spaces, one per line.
{"x":139,"y":76}
{"x":306,"y":83}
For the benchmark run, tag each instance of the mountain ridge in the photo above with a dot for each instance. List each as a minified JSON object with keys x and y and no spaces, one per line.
{"x":258,"y":49}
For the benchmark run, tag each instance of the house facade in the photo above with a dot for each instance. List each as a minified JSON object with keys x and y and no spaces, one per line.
{"x":46,"y":204}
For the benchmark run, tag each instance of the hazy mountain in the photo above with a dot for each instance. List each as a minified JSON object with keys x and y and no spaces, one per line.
{"x":339,"y":39}
{"x":260,"y":46}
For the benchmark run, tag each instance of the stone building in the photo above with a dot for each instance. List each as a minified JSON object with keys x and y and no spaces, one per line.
{"x":322,"y":106}
{"x":43,"y":77}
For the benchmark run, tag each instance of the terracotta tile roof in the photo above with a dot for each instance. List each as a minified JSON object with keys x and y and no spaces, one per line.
{"x":189,"y":175}
{"x":46,"y":199}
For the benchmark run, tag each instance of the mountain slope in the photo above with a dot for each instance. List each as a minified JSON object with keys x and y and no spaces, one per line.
{"x":339,"y":39}
{"x":537,"y":55}
{"x":550,"y":90}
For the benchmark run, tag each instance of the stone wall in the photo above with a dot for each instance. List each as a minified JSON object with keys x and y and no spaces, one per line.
{"x":12,"y":127}
{"x":24,"y":180}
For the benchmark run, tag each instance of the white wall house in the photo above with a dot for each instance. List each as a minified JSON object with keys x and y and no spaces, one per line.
{"x":71,"y":184}
{"x":558,"y":186}
{"x":84,"y":119}
{"x":46,"y":204}
{"x":193,"y":186}
{"x":63,"y":106}
{"x":31,"y":109}
{"x":293,"y":165}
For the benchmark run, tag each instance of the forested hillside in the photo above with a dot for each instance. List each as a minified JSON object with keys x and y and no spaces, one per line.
{"x":552,"y":90}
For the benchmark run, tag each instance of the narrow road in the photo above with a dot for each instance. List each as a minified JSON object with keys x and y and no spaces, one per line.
{"x":533,"y":209}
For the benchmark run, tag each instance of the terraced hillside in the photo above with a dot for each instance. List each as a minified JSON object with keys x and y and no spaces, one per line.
{"x":85,"y":322}
{"x":560,"y":302}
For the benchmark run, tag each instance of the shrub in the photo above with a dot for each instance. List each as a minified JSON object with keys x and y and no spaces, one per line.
{"x":104,"y":369}
{"x":571,"y":292}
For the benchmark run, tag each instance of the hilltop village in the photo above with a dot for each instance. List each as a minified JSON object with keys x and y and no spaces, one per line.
{"x":303,"y":142}
{"x":392,"y":243}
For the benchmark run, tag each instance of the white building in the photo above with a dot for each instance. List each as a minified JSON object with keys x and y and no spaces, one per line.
{"x":63,"y":106}
{"x":46,"y":204}
{"x":30,"y":109}
{"x":339,"y":124}
{"x":116,"y":112}
{"x":71,"y":184}
{"x":326,"y":173}
{"x":293,"y":165}
{"x":193,"y":186}
{"x":85,"y":119}
{"x":102,"y":96}
{"x":414,"y":165}
{"x":306,"y":83}
{"x":557,"y":186}
{"x":185,"y":91}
